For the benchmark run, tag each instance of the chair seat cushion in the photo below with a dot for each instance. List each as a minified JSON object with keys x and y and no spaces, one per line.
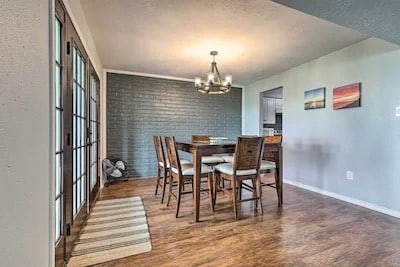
{"x":267,"y":165}
{"x":187,"y":169}
{"x":228,"y":159}
{"x":227,"y":168}
{"x":211,"y":159}
{"x":183,"y":161}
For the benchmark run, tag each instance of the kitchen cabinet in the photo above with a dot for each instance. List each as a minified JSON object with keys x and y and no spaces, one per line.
{"x":278,"y":105}
{"x":269,"y":107}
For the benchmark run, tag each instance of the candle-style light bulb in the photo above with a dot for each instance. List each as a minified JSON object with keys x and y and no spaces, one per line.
{"x":197,"y":81}
{"x":228,"y":79}
{"x":210,"y":77}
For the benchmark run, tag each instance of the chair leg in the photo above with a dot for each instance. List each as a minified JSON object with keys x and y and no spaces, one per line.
{"x":234,"y":198}
{"x":158,"y":180}
{"x":193,"y":188}
{"x":165,"y":179}
{"x":277,"y":186}
{"x":240,"y":189}
{"x":216,"y":180}
{"x":170,"y":182}
{"x":259,"y":193}
{"x":178,"y":202}
{"x":254,"y":184}
{"x":210,"y":190}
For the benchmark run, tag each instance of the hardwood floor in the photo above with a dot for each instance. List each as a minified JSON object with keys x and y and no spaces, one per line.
{"x":310,"y":230}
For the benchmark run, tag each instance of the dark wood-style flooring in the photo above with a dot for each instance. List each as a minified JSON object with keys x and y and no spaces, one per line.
{"x":310,"y":230}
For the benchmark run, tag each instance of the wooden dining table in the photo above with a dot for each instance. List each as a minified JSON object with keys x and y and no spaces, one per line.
{"x":204,"y":148}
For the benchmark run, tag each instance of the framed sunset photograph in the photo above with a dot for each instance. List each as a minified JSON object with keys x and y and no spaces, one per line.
{"x":348,"y":96}
{"x":314,"y":98}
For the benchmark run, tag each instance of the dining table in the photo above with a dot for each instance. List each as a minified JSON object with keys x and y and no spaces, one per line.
{"x":207,"y":148}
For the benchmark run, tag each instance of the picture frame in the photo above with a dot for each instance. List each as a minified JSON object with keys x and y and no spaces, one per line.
{"x":347,"y":96}
{"x":314,"y":99}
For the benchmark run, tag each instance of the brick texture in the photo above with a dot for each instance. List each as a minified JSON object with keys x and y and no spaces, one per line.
{"x":139,"y":107}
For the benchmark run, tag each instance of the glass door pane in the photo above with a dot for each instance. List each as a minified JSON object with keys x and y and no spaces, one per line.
{"x":93,"y":132}
{"x":79,"y":119}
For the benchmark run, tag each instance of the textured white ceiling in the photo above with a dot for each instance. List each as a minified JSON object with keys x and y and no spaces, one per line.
{"x":255,"y":39}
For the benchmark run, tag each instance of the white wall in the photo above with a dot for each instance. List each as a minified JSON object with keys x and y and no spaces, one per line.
{"x":321,"y":145}
{"x":24,"y":134}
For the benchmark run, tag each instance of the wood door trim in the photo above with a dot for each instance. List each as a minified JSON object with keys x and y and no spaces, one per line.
{"x":60,"y":247}
{"x":93,"y":193}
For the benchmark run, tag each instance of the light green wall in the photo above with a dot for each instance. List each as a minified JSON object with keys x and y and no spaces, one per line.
{"x":321,"y":145}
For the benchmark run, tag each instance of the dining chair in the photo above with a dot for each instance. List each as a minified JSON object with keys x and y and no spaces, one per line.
{"x":270,"y":162}
{"x":245,"y":166}
{"x":208,"y":160}
{"x":163,"y":166}
{"x":182,"y":173}
{"x":229,"y":158}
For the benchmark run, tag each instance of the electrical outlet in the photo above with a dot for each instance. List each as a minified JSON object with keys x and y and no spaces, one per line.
{"x":397,"y":111}
{"x":349,"y":175}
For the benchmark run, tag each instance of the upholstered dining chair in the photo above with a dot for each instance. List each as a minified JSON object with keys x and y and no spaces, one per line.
{"x":163,"y":166}
{"x":182,"y":173}
{"x":245,"y":166}
{"x":230,"y":158}
{"x":208,"y":160}
{"x":270,"y":162}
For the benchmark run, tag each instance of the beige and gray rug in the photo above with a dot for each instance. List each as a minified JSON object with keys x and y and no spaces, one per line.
{"x":115,"y":229}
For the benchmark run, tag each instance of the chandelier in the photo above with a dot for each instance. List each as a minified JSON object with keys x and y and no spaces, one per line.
{"x":214,"y":84}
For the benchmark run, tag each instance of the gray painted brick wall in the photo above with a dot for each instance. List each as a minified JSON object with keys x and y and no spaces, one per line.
{"x":139,"y":107}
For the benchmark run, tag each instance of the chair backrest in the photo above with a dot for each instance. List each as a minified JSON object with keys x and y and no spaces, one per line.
{"x":172,"y":152}
{"x":272,"y":154}
{"x":275,"y":139}
{"x":159,"y":149}
{"x":200,"y":138}
{"x":248,"y":153}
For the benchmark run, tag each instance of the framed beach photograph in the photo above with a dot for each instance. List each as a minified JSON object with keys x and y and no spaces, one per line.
{"x":314,"y":99}
{"x":348,"y":96}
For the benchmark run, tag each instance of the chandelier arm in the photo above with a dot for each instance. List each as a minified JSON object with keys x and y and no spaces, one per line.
{"x":211,"y":70}
{"x":218,"y":75}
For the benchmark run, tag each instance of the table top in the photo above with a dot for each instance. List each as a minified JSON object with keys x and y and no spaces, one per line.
{"x":215,"y":143}
{"x":208,"y":143}
{"x":208,"y":148}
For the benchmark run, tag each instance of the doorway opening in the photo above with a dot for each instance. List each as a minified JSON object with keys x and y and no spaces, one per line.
{"x":271,"y":113}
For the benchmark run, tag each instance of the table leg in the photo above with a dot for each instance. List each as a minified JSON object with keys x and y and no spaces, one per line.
{"x":197,"y":154}
{"x":280,"y":177}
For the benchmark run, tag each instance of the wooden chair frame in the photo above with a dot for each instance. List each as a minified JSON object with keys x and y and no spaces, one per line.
{"x":272,"y":156}
{"x":248,"y":153}
{"x":162,"y":169}
{"x":181,"y":179}
{"x":200,"y":138}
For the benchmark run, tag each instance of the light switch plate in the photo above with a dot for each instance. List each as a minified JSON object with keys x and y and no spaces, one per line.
{"x":397,"y":111}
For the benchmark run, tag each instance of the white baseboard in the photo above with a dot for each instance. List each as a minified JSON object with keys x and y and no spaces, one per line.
{"x":346,"y":199}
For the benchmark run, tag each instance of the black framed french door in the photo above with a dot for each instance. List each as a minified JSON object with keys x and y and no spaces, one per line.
{"x":75,"y":130}
{"x":79,"y":130}
{"x":77,"y":134}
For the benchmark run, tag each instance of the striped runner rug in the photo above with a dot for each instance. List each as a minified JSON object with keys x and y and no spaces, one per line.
{"x":115,"y":229}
